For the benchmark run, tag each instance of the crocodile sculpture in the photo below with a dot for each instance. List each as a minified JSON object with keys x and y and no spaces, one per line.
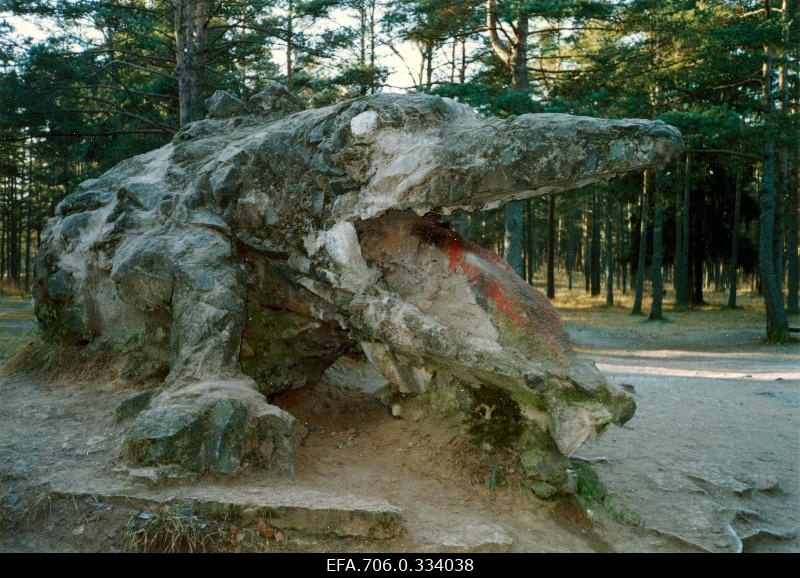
{"x":266,"y":241}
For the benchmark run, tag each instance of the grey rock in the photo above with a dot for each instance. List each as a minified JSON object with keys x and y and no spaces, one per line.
{"x":158,"y":475}
{"x":251,"y":253}
{"x":274,"y":100}
{"x":543,"y":490}
{"x":763,"y":482}
{"x":469,"y":537}
{"x":133,"y":404}
{"x":223,"y":105}
{"x":216,"y":434}
{"x":713,"y":481}
{"x":756,"y":537}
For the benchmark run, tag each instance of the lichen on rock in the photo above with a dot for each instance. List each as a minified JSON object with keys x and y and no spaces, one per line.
{"x":266,"y":242}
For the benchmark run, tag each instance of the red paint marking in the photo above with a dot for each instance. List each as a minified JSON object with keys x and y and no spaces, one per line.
{"x":522,"y":305}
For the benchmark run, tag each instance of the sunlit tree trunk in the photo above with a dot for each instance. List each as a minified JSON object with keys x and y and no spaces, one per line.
{"x":191,"y":42}
{"x":733,"y":277}
{"x":514,"y":54}
{"x":777,"y":322}
{"x":640,"y":264}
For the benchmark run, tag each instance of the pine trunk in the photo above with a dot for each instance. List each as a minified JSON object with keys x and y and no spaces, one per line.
{"x":609,"y":252}
{"x":551,"y":248}
{"x":640,"y":264}
{"x":513,"y":236}
{"x":777,"y":322}
{"x":658,"y":249}
{"x":682,"y":258}
{"x":596,"y":268}
{"x":733,"y":277}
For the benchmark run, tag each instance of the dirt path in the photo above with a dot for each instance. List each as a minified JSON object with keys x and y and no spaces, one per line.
{"x":64,"y":433}
{"x":713,"y":452}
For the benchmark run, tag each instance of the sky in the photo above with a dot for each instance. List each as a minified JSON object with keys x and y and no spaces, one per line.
{"x":403,"y":67}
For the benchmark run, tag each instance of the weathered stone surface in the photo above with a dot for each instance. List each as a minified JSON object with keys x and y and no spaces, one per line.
{"x":211,"y":426}
{"x":134,"y":403}
{"x":288,"y":508}
{"x":223,"y":105}
{"x":257,"y":250}
{"x":274,"y":101}
{"x":469,"y":537}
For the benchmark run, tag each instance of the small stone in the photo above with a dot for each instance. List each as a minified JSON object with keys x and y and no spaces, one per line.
{"x":133,"y":404}
{"x":542,"y":490}
{"x":279,"y":537}
{"x":274,"y":101}
{"x":79,"y":530}
{"x":223,"y":105}
{"x":146,"y":515}
{"x":763,"y":483}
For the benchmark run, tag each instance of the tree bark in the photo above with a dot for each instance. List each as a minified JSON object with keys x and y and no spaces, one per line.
{"x":609,"y":252}
{"x":597,"y":269}
{"x":289,"y":42}
{"x":513,"y":236}
{"x":551,"y":248}
{"x":777,"y":322}
{"x":429,"y":65}
{"x":783,"y":156}
{"x":515,"y":54}
{"x":682,"y":244}
{"x":793,"y":260}
{"x":462,"y":72}
{"x":191,"y":40}
{"x":637,"y":299}
{"x":658,"y":249}
{"x":793,"y":194}
{"x":570,"y":258}
{"x":372,"y":36}
{"x":733,"y":277}
{"x":622,"y":242}
{"x":585,"y":249}
{"x":531,"y":244}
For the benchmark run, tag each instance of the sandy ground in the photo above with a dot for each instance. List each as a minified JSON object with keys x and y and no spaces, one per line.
{"x":713,"y":452}
{"x":717,"y":419}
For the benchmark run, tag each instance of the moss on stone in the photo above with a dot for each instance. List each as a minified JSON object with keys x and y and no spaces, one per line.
{"x":589,"y":486}
{"x":495,"y":418}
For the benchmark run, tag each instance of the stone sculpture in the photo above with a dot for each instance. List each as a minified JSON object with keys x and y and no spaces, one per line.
{"x":266,"y":241}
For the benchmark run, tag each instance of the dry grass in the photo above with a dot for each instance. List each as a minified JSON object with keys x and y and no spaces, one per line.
{"x":576,"y":306}
{"x":8,"y":288}
{"x":45,"y":360}
{"x":174,"y":528}
{"x":178,"y":528}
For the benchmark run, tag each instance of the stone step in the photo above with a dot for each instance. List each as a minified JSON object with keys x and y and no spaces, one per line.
{"x":468,"y":538}
{"x":288,"y":508}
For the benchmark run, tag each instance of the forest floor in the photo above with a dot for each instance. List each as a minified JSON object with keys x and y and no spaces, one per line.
{"x":710,"y":461}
